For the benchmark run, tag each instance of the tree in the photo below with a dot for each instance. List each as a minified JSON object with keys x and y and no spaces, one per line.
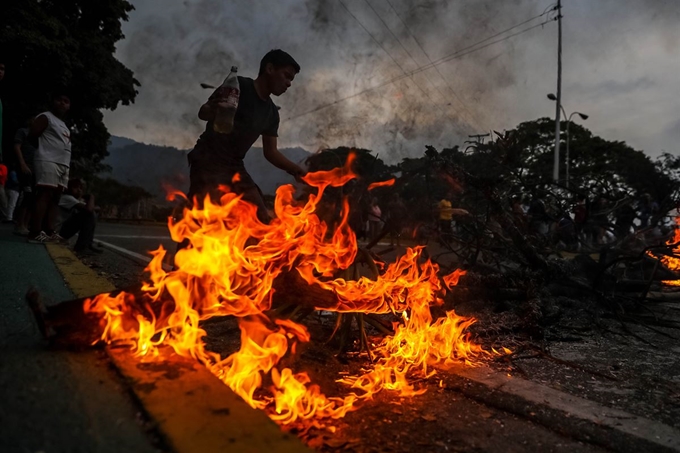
{"x":110,"y":193}
{"x":69,"y":44}
{"x":522,"y":159}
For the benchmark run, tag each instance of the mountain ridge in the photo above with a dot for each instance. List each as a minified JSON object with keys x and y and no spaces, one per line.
{"x":159,"y":168}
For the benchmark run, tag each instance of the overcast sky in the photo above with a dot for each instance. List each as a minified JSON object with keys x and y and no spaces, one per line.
{"x":621,"y":66}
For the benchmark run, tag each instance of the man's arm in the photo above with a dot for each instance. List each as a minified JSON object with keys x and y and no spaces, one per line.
{"x":20,"y":158}
{"x":89,"y":205}
{"x":274,"y":156}
{"x":38,"y":126}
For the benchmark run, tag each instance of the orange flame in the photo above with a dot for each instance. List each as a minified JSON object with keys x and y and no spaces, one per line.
{"x":230,"y":268}
{"x":673,"y":262}
{"x":375,"y":185}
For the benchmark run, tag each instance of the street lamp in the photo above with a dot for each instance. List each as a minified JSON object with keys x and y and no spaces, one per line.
{"x":583,"y":116}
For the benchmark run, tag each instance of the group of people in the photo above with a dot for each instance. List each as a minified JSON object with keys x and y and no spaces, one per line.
{"x":36,"y":193}
{"x":589,"y":222}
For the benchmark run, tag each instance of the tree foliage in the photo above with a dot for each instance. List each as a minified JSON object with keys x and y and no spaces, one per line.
{"x":66,"y":44}
{"x":110,"y":193}
{"x":519,"y":163}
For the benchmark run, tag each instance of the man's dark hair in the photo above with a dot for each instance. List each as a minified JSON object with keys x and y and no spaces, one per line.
{"x":58,"y":92}
{"x":278,"y":58}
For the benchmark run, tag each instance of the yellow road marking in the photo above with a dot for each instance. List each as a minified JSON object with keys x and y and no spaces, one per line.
{"x":82,"y":280}
{"x":193,"y":409}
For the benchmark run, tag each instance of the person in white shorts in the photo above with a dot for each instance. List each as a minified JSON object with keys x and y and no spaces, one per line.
{"x":51,"y":163}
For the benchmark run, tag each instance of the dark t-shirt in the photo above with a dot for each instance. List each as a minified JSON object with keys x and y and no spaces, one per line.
{"x":27,"y":148}
{"x":254,"y":117}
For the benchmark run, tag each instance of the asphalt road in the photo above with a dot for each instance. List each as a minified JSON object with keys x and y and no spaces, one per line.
{"x":140,"y":239}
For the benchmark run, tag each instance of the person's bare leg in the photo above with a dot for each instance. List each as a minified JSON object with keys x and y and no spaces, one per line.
{"x":25,"y":210}
{"x":53,"y":209}
{"x":42,"y":201}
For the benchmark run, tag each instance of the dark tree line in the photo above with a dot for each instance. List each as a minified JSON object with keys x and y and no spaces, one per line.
{"x":518,"y":163}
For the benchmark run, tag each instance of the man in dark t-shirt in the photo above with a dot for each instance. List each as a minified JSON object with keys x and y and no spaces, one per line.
{"x":217,"y":158}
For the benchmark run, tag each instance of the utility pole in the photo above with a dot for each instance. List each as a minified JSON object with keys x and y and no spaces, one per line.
{"x":558,"y":103}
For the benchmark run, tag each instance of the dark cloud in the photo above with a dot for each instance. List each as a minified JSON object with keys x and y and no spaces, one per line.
{"x":608,"y":88}
{"x":174,"y":45}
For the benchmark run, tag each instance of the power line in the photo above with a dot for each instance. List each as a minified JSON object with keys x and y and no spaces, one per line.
{"x":390,"y":55}
{"x":407,"y":52}
{"x":422,"y":49}
{"x":458,"y":54}
{"x":462,"y":52}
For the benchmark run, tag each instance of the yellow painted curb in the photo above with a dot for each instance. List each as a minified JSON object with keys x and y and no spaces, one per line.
{"x":82,"y":280}
{"x":194,"y":410}
{"x":198,"y":413}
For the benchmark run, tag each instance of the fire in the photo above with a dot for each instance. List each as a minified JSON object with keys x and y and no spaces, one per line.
{"x":673,"y":262}
{"x":375,"y":185}
{"x":230,"y":268}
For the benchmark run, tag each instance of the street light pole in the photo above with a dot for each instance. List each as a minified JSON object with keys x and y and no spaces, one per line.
{"x":556,"y":160}
{"x":566,"y":167}
{"x":583,"y":117}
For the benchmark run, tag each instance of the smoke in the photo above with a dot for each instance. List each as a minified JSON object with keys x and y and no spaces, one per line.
{"x":174,"y":46}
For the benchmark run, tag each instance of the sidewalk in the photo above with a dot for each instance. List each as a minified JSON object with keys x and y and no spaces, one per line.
{"x":61,"y":401}
{"x":54,"y":401}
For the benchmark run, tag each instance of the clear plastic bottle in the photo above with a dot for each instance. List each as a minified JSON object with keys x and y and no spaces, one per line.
{"x":226,"y":98}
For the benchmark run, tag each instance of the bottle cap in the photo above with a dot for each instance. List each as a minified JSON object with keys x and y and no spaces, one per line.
{"x":234,"y":69}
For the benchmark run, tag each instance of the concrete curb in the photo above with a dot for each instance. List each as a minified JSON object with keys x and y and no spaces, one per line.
{"x":198,"y":413}
{"x":82,"y":280}
{"x":568,"y":414}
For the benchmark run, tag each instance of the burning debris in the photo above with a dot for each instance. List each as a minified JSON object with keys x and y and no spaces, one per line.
{"x":232,"y":268}
{"x":672,"y":261}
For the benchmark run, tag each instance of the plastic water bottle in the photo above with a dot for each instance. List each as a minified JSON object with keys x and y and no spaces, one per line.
{"x":226,"y":98}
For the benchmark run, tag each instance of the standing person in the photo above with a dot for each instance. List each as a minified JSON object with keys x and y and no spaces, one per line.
{"x":3,"y":167}
{"x":539,"y":220}
{"x":374,"y":219}
{"x":12,"y":191}
{"x":648,"y":209}
{"x":2,"y":76}
{"x":445,"y":218}
{"x":580,"y":211}
{"x":78,"y":216}
{"x":217,"y":158}
{"x":51,"y":162}
{"x":25,"y":155}
{"x":397,"y":215}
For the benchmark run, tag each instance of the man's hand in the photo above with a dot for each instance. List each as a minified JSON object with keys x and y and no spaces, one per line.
{"x":24,"y":168}
{"x":298,"y":173}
